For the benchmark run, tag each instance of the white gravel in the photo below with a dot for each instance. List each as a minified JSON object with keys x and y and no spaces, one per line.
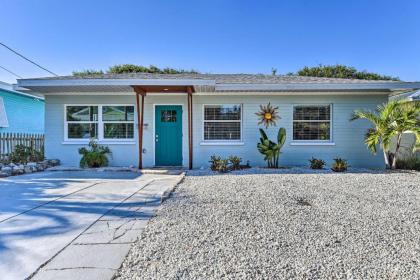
{"x":287,"y":224}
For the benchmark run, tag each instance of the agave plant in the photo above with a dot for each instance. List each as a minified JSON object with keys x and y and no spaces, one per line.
{"x":268,"y":115}
{"x":270,"y":149}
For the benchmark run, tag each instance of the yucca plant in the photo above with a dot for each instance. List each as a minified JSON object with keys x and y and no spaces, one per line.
{"x":391,"y":120}
{"x":270,"y":149}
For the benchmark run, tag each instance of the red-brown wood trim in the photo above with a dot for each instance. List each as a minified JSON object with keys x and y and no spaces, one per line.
{"x":190,"y":127}
{"x":140,"y":118}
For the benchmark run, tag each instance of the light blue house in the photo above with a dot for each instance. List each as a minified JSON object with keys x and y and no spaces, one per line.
{"x":181,"y":120}
{"x":20,"y":112}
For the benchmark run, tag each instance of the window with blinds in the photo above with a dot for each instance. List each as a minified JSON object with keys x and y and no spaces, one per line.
{"x":312,"y":122}
{"x":222,"y":122}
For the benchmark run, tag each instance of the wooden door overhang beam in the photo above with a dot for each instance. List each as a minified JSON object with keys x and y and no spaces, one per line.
{"x":163,"y":89}
{"x":141,"y":92}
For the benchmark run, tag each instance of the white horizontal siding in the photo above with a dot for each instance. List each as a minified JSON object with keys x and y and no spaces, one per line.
{"x":347,"y":136}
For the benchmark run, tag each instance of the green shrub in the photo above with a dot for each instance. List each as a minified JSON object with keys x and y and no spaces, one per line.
{"x":339,"y":165}
{"x":23,"y":154}
{"x":316,"y":163}
{"x":96,"y":156}
{"x":214,"y":162}
{"x":235,"y":162}
{"x":410,"y":163}
{"x":224,"y":165}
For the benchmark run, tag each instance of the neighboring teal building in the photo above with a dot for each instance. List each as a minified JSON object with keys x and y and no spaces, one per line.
{"x":20,"y":112}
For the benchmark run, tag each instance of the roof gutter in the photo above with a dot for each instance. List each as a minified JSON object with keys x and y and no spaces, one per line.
{"x":113,"y":82}
{"x":28,"y":84}
{"x":12,"y":89}
{"x":319,"y":86}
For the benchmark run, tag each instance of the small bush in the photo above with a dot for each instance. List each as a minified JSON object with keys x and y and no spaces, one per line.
{"x":339,"y":165}
{"x":316,"y":163}
{"x":214,"y":162}
{"x":410,"y":163}
{"x":23,"y":154}
{"x":224,"y":165}
{"x":96,"y":156}
{"x":235,"y":162}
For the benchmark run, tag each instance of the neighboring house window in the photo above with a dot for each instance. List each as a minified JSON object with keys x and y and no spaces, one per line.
{"x":222,"y":122}
{"x":82,"y":122}
{"x":102,"y":122}
{"x":118,"y":122}
{"x":312,"y":122}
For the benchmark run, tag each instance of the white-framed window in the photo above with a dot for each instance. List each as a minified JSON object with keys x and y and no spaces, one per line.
{"x":312,"y":122}
{"x":222,"y":122}
{"x":101,"y":122}
{"x":118,"y":122}
{"x":81,"y":122}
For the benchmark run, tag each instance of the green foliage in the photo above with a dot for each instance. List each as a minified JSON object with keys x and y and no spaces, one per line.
{"x":270,"y":149}
{"x":23,"y":154}
{"x":87,"y":72}
{"x":95,"y":156}
{"x":132,"y":68}
{"x":341,"y":71}
{"x":410,"y":163}
{"x":214,"y":162}
{"x":235,"y":162}
{"x":390,"y":121}
{"x":224,"y":165}
{"x":339,"y":165}
{"x":316,"y":163}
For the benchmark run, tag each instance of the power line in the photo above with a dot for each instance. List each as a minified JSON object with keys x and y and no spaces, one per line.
{"x":27,"y":59}
{"x":7,"y":70}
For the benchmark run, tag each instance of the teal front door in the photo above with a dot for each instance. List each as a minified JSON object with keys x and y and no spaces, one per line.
{"x":168,"y":135}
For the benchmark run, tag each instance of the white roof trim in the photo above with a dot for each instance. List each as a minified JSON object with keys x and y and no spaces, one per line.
{"x":317,"y":86}
{"x":39,"y":84}
{"x":3,"y":115}
{"x":11,"y":88}
{"x":114,"y":82}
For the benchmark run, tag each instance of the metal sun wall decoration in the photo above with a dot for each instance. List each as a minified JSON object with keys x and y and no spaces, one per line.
{"x":268,"y":115}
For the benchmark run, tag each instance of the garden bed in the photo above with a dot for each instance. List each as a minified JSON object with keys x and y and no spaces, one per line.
{"x":12,"y":169}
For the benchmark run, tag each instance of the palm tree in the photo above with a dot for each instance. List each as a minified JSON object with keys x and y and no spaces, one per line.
{"x":390,"y":120}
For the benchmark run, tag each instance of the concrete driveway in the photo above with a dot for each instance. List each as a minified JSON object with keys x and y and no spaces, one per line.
{"x":45,"y":216}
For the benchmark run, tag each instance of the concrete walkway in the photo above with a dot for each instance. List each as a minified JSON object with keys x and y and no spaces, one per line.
{"x":74,"y":225}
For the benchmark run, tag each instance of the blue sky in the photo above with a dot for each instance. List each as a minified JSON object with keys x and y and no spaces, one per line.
{"x":217,"y":36}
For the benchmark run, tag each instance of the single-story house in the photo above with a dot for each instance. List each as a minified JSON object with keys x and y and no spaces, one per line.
{"x":152,"y":120}
{"x":20,"y":112}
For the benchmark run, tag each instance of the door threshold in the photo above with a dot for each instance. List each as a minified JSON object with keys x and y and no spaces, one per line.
{"x":171,"y":170}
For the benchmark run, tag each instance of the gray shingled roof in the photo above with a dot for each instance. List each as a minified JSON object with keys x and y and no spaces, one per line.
{"x":221,"y":78}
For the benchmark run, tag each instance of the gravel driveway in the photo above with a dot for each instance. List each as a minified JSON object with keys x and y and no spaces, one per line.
{"x":276,"y":226}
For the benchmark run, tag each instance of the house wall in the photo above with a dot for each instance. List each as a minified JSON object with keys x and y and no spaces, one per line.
{"x":347,"y":136}
{"x":24,"y":114}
